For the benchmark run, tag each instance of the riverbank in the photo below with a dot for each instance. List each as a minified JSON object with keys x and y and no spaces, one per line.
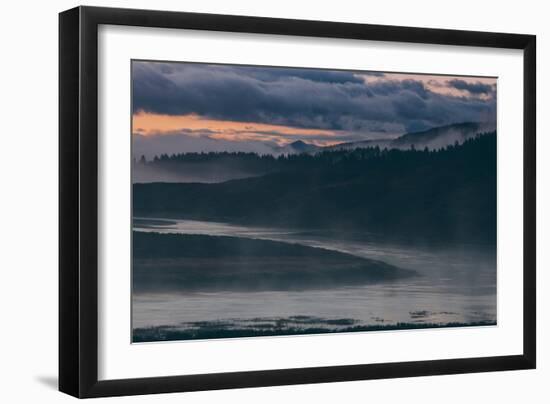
{"x":183,"y":263}
{"x":219,"y":330}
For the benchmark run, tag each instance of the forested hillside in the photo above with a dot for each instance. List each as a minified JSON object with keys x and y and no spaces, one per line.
{"x":447,"y":194}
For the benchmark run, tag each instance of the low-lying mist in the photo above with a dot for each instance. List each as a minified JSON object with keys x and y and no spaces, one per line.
{"x":207,"y":173}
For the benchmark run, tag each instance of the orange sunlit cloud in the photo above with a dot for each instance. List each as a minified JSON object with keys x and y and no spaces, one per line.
{"x":148,"y":124}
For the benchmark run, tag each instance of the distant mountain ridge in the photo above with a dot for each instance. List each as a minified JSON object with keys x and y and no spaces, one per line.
{"x":215,"y":167}
{"x":300,"y":146}
{"x":433,"y":138}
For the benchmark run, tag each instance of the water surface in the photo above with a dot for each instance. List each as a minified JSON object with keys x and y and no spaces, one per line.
{"x":456,"y":285}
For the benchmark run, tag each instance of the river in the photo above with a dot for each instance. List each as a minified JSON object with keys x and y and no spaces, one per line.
{"x":456,"y":284}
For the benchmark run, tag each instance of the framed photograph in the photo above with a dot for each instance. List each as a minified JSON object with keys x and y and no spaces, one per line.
{"x":251,"y":201}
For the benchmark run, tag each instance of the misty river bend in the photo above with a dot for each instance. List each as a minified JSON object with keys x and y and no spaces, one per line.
{"x":198,"y":279}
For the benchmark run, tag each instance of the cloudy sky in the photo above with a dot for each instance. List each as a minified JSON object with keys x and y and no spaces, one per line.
{"x":194,"y":107}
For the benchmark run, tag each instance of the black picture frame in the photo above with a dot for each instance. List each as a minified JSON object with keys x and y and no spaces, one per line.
{"x":78,"y":203}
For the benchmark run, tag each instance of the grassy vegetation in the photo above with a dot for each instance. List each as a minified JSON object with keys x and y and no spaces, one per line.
{"x":211,"y":331}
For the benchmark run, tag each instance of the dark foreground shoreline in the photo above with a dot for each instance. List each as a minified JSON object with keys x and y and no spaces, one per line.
{"x":175,"y":333}
{"x":183,"y":263}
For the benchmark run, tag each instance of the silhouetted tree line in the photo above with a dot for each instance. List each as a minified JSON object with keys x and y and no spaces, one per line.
{"x":443,"y":194}
{"x":268,"y":162}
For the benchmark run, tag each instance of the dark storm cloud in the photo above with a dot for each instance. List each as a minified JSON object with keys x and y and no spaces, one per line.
{"x":390,"y":87}
{"x":305,"y":98}
{"x":282,"y":73}
{"x":472,"y":88}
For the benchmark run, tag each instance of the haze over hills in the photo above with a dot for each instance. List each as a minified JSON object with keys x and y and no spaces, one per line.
{"x":434,"y":138}
{"x":298,"y":147}
{"x":448,"y":194}
{"x":252,"y":160}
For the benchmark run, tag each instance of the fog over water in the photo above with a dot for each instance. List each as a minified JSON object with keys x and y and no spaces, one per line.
{"x":455,"y":284}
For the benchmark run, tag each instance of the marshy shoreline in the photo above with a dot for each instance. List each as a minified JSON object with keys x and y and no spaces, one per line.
{"x":221,"y":330}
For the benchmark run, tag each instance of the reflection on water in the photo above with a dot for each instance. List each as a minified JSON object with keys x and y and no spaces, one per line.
{"x":457,"y":285}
